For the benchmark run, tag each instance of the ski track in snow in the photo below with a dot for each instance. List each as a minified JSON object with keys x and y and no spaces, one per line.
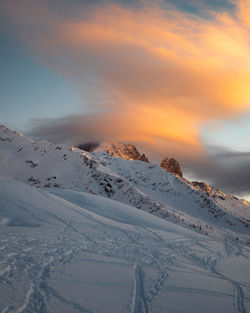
{"x":139,"y":300}
{"x":210,"y":264}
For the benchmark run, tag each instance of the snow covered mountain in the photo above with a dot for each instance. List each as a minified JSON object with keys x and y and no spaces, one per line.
{"x":143,"y":185}
{"x":67,"y":246}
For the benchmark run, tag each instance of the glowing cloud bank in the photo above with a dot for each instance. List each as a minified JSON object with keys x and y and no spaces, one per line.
{"x":153,"y":74}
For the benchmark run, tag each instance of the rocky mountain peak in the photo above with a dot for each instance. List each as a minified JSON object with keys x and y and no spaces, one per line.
{"x":126,"y":151}
{"x":171,"y":165}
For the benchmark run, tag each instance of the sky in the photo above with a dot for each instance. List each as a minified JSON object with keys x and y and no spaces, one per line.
{"x":173,"y":77}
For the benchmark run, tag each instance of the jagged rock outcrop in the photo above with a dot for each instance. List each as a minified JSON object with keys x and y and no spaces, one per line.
{"x":211,"y":191}
{"x":172,"y":166}
{"x":202,"y":186}
{"x":126,"y":151}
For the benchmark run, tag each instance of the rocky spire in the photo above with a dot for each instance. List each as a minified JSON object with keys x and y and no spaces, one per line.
{"x":172,"y":166}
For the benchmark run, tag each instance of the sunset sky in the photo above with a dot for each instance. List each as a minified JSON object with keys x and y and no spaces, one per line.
{"x":173,"y":77}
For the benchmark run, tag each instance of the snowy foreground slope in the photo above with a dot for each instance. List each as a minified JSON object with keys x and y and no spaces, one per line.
{"x":68,"y":251}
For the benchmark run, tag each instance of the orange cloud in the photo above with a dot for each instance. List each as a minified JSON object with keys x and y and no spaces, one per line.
{"x":157,"y":74}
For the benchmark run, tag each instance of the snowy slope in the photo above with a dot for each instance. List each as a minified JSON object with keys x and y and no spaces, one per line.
{"x":143,"y":185}
{"x":68,"y":251}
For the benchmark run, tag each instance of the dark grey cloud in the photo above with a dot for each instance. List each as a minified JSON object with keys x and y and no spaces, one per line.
{"x":225,"y":169}
{"x":88,"y":146}
{"x":75,"y":130}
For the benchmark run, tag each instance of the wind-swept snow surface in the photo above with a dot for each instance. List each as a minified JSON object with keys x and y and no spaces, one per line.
{"x":68,"y":251}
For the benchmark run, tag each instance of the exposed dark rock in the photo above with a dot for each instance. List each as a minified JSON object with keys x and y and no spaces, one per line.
{"x":202,"y":186}
{"x":126,"y":151}
{"x":31,"y":163}
{"x":210,"y":191}
{"x":172,"y":166}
